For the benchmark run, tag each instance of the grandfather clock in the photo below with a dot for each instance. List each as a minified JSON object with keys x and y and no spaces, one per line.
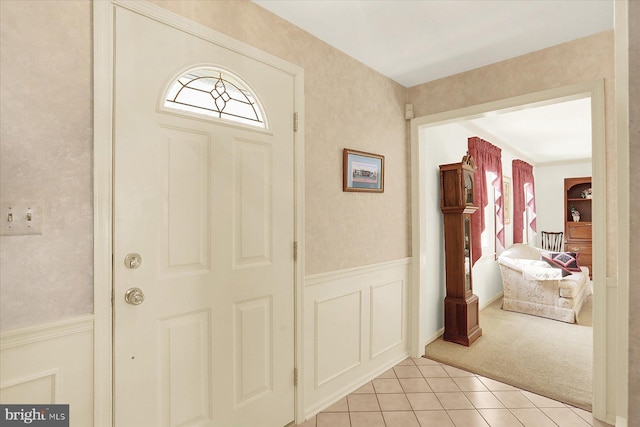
{"x":457,"y":204}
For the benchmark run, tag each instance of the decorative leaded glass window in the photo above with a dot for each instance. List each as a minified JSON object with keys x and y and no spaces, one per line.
{"x":215,"y":93}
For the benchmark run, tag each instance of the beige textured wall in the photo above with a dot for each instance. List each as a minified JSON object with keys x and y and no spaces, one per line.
{"x":46,"y":149}
{"x":347,"y":105}
{"x":580,"y":60}
{"x":45,"y":154}
{"x":634,"y":276}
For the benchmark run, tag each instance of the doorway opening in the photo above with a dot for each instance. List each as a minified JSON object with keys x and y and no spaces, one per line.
{"x":428,"y":252}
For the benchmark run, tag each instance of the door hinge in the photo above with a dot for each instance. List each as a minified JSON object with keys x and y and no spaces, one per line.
{"x":295,"y":377}
{"x":295,"y":251}
{"x":295,"y":122}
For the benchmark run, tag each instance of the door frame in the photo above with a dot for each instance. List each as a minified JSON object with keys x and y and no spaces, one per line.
{"x":606,"y":291}
{"x":103,"y":72}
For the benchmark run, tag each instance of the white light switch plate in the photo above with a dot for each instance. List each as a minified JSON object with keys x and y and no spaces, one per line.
{"x":20,"y":217}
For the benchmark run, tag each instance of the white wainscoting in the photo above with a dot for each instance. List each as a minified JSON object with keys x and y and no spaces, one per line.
{"x":50,"y":363}
{"x":355,"y":327}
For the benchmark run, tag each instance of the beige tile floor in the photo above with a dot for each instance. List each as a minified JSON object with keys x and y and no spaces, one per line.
{"x":424,"y":393}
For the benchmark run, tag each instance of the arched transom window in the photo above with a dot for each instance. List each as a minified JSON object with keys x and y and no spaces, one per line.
{"x":215,"y":93}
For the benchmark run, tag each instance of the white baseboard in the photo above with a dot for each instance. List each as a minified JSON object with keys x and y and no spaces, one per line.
{"x":491,"y":301}
{"x":434,"y":337}
{"x":350,"y":388}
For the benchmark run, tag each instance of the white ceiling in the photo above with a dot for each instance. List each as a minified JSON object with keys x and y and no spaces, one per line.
{"x":554,"y":133}
{"x":413,"y":42}
{"x":417,"y":41}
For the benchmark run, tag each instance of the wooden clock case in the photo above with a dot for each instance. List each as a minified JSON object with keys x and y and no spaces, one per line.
{"x":461,"y":319}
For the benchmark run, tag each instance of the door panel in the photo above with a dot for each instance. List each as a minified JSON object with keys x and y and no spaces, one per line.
{"x":252,"y":207}
{"x":184,"y":242}
{"x":185,"y":386}
{"x":253,"y":346}
{"x":209,"y":206}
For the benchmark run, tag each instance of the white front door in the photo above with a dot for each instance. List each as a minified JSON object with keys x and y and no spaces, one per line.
{"x":209,"y":207}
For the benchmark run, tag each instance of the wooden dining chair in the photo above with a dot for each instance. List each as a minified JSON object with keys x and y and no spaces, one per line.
{"x":552,"y":241}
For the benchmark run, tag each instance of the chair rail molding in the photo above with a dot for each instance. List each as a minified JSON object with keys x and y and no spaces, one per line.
{"x":47,"y":331}
{"x":319,"y":278}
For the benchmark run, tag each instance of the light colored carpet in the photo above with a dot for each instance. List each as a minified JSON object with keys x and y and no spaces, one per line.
{"x":546,"y":357}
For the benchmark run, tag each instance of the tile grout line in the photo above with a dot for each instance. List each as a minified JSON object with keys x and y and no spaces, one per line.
{"x":509,"y":410}
{"x":434,"y":393}
{"x":378,"y":400}
{"x":410,"y":362}
{"x":535,"y":406}
{"x":492,"y":392}
{"x":403,"y":393}
{"x":538,"y":408}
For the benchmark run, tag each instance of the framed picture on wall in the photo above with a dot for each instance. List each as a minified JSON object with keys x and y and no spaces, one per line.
{"x":362,"y":171}
{"x":506,"y":194}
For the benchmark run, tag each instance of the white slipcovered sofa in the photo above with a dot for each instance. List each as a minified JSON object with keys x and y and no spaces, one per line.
{"x":532,"y":286}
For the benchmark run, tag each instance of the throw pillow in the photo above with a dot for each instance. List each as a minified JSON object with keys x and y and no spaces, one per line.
{"x":566,"y":261}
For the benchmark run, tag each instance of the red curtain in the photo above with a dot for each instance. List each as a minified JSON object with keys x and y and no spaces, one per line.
{"x":488,"y":158}
{"x":523,"y":197}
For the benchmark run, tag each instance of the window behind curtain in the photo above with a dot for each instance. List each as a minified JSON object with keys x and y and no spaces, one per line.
{"x":524,"y":202}
{"x":488,"y":158}
{"x":490,"y":213}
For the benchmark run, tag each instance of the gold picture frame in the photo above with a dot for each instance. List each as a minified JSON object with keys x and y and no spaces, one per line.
{"x":362,"y":171}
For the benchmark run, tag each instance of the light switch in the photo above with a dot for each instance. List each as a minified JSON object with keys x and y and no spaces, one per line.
{"x":20,"y":217}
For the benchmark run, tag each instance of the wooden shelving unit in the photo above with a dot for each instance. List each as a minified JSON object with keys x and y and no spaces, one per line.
{"x":578,"y":233}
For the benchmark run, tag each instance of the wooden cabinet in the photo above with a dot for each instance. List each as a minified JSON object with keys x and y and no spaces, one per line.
{"x":577,"y":231}
{"x":461,"y":322}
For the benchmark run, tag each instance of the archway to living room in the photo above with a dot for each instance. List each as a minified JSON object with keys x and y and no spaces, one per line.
{"x":428,"y":241}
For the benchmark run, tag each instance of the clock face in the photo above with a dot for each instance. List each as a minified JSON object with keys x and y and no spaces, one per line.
{"x":468,"y":188}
